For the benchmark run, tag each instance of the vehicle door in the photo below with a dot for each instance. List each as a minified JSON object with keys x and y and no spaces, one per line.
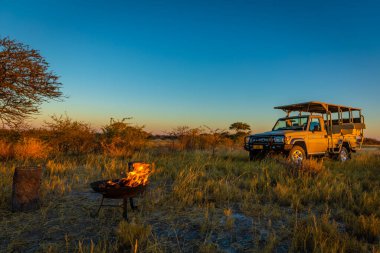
{"x":317,"y":140}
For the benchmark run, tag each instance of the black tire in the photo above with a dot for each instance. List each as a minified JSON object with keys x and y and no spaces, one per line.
{"x":256,"y":155}
{"x":297,"y":154}
{"x":344,"y":155}
{"x":252,"y":155}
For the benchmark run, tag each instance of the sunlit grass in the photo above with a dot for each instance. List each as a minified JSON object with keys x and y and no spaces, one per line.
{"x":201,"y":202}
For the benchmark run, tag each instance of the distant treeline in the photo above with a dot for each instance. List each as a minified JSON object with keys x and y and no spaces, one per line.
{"x":64,"y":136}
{"x":371,"y":141}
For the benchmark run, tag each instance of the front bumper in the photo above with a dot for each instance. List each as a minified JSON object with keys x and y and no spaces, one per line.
{"x":267,"y":146}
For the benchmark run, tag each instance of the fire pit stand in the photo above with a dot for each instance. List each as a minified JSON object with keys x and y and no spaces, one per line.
{"x":124,"y":205}
{"x":121,"y":192}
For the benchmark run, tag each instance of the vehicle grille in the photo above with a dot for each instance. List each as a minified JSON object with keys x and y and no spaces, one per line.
{"x":261,"y":139}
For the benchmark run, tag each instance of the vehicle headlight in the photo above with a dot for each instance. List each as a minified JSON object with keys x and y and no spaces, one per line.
{"x":278,"y":139}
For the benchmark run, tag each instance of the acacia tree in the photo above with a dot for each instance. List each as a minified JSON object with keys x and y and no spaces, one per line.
{"x":25,"y":82}
{"x":179,"y":133}
{"x":215,"y":137}
{"x":241,"y":129}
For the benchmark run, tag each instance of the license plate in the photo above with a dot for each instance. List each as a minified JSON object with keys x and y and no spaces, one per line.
{"x":257,"y":146}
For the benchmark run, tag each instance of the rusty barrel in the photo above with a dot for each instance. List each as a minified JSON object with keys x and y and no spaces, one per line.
{"x":26,"y":188}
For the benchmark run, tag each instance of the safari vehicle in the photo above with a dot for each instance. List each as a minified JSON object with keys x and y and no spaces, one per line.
{"x":317,"y":129}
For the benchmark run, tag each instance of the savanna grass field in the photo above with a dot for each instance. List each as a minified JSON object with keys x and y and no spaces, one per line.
{"x":191,"y":159}
{"x":198,"y":200}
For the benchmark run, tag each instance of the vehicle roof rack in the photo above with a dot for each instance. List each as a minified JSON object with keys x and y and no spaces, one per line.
{"x":316,"y":107}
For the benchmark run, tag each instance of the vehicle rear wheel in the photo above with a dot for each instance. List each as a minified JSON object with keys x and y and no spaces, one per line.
{"x":344,"y":155}
{"x":297,"y":154}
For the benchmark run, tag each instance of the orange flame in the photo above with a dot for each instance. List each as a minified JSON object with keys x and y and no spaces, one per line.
{"x":139,"y":176}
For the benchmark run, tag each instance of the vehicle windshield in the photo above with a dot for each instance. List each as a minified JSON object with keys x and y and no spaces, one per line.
{"x":294,"y":123}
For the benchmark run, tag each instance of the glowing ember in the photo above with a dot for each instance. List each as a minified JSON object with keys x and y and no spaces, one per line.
{"x":139,"y":176}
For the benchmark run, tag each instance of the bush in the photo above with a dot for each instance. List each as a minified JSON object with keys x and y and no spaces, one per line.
{"x":31,"y":148}
{"x":25,"y":148}
{"x":120,"y":139}
{"x":70,"y":137}
{"x":6,"y":150}
{"x":199,"y":138}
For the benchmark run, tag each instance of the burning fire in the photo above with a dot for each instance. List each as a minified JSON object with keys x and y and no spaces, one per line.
{"x":139,"y":176}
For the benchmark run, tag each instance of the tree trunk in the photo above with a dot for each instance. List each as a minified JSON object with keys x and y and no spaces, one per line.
{"x":26,"y":188}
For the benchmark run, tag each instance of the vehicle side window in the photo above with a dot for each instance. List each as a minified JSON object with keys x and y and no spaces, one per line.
{"x":356,"y":117}
{"x":315,"y":125}
{"x":346,"y":117}
{"x":335,"y":118}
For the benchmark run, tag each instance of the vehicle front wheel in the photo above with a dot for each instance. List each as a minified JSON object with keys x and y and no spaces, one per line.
{"x":297,"y":154}
{"x":256,"y":155}
{"x":344,"y":155}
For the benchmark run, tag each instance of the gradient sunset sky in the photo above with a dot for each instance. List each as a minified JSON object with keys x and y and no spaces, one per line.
{"x":171,"y":63}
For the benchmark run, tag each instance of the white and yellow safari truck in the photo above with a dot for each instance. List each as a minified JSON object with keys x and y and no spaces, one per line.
{"x":317,"y":129}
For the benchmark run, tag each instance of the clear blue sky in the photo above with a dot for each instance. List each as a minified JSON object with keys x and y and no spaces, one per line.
{"x":170,"y":63}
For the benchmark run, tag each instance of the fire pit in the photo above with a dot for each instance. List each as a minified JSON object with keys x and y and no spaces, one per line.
{"x":131,"y":186}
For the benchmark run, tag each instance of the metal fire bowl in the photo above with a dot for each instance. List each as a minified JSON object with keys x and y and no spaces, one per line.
{"x":117,"y":193}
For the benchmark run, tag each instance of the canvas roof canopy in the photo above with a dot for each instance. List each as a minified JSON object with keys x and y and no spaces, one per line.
{"x":316,"y":107}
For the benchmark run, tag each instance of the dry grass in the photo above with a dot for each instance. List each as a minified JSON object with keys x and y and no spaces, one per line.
{"x":6,"y":150}
{"x":31,"y":148}
{"x":322,"y":235}
{"x":201,"y":202}
{"x":25,"y":149}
